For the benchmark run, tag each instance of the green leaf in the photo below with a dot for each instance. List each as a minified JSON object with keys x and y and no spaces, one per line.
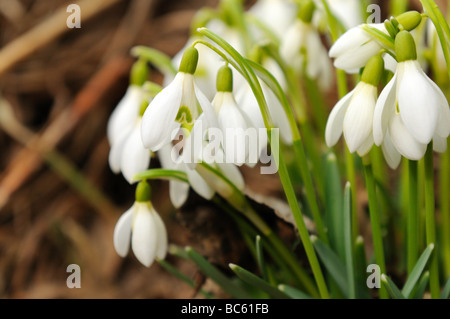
{"x":216,"y":275}
{"x":446,"y":291}
{"x":349,"y":256}
{"x":385,"y":40}
{"x":421,"y":286}
{"x":182,"y":277}
{"x":334,"y":206}
{"x":391,"y":287}
{"x":294,"y":293}
{"x":332,"y":263}
{"x":417,"y":271}
{"x":260,"y":257}
{"x":257,"y":282}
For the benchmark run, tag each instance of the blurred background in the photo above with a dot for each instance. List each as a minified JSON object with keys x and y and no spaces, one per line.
{"x":59,"y":200}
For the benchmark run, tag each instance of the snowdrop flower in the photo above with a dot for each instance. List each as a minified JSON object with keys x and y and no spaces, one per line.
{"x":128,"y":155}
{"x":277,"y":15}
{"x":143,"y":226}
{"x":176,"y":105}
{"x":353,"y":114}
{"x":302,"y":48}
{"x":355,"y":47}
{"x":412,"y":110}
{"x":349,"y":12}
{"x":233,"y":122}
{"x":124,"y":115}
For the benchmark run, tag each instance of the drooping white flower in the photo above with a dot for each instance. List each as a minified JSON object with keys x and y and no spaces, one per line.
{"x":124,"y":115}
{"x":143,"y":226}
{"x":411,"y":110}
{"x":277,"y":15}
{"x":128,"y":155}
{"x":353,"y":114}
{"x":181,"y":102}
{"x":302,"y":48}
{"x":355,"y":47}
{"x":349,"y":12}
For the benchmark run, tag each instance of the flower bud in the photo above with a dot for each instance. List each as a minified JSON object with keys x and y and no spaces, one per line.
{"x":189,"y":61}
{"x":225,"y":79}
{"x":307,"y":11}
{"x":373,"y":71}
{"x":143,"y":192}
{"x":409,"y":20}
{"x":405,"y":47}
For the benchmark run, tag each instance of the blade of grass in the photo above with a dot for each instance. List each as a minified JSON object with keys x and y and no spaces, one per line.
{"x":421,"y":286}
{"x":260,"y":258}
{"x":417,"y":271}
{"x":446,"y":291}
{"x":257,"y":282}
{"x":294,"y":293}
{"x":348,"y":238}
{"x":216,"y":275}
{"x":391,"y":287}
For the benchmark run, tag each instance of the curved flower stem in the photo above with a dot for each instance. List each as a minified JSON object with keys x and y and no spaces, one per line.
{"x":413,"y":217}
{"x":430,"y":221}
{"x":398,"y":7}
{"x":375,"y":221}
{"x":253,"y":81}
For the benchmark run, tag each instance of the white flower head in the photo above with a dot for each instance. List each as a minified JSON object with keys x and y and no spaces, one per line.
{"x":302,"y":48}
{"x":411,"y":110}
{"x":128,"y":155}
{"x":125,"y":114}
{"x":143,"y":226}
{"x":353,"y":114}
{"x":355,"y":47}
{"x":180,"y":103}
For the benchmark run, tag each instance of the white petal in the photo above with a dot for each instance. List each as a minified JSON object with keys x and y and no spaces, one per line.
{"x":135,"y":158}
{"x":122,"y":232}
{"x":439,"y":144}
{"x":144,"y":235}
{"x":353,"y":38}
{"x":162,"y":241}
{"x":165,"y":157}
{"x":366,"y":146}
{"x":384,"y":110}
{"x":358,"y":57}
{"x":125,"y":113}
{"x":208,"y":111}
{"x":418,"y":102}
{"x":392,"y":156}
{"x":199,"y":184}
{"x":443,"y":126}
{"x":159,"y":118}
{"x":179,"y":192}
{"x":233,"y":123}
{"x":404,"y":142}
{"x":358,"y":119}
{"x":335,"y":123}
{"x":116,"y":151}
{"x":233,"y":173}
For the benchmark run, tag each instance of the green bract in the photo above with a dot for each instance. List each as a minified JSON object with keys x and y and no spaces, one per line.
{"x":225,"y":79}
{"x":373,"y":71}
{"x":189,"y":61}
{"x":405,"y":47}
{"x":143,"y":192}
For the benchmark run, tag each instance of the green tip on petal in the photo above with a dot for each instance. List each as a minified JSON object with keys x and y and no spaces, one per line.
{"x":409,"y":20}
{"x":143,"y":192}
{"x":405,"y":47}
{"x":225,"y":79}
{"x":307,"y":11}
{"x":139,"y":72}
{"x":373,"y":71}
{"x":189,"y":61}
